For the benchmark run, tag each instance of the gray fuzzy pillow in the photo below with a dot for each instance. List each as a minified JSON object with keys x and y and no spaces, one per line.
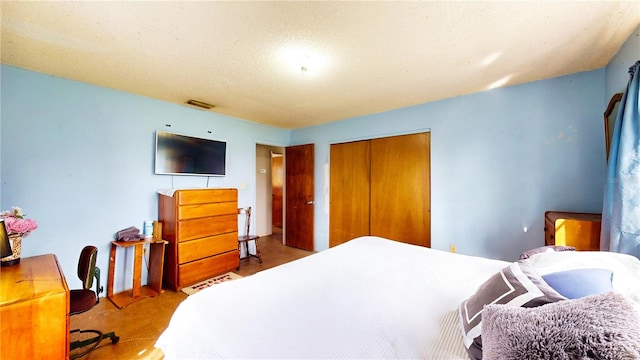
{"x":604,"y":326}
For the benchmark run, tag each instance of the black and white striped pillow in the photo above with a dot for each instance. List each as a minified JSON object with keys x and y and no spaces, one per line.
{"x":516,"y":285}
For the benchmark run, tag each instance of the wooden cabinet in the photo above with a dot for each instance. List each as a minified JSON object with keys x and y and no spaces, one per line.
{"x":201,"y":226}
{"x":34,"y":310}
{"x":381,"y":187}
{"x":580,"y":230}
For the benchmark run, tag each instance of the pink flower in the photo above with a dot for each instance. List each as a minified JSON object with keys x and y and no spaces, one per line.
{"x":15,"y":223}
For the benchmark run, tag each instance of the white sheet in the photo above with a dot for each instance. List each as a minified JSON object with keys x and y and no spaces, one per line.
{"x":368,"y":298}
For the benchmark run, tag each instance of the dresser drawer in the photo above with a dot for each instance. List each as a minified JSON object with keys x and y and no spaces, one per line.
{"x":201,"y":248}
{"x":209,"y":226}
{"x":202,"y":196}
{"x":204,"y":210}
{"x":191,"y":273}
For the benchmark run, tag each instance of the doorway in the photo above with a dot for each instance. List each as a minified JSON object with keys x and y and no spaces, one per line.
{"x":297,"y":188}
{"x":266,"y":217}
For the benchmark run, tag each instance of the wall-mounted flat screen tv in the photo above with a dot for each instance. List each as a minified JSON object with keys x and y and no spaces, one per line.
{"x":187,"y":155}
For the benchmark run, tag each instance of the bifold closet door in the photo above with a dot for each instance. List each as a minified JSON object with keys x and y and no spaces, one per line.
{"x":348,"y":191}
{"x":400,"y":203}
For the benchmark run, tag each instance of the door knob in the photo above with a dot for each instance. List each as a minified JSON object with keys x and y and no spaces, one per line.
{"x":310,"y":202}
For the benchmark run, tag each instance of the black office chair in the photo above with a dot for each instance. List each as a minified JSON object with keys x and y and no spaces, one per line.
{"x":84,"y":299}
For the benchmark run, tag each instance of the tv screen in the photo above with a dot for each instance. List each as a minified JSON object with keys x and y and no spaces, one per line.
{"x":186,"y":155}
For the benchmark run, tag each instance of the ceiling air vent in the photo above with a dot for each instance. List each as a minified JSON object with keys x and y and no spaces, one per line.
{"x":200,"y":104}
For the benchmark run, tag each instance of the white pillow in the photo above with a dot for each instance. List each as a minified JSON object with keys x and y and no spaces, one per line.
{"x":625,"y":268}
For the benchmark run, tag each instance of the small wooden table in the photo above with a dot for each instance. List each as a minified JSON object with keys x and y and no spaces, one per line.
{"x":156,"y":263}
{"x":580,"y":230}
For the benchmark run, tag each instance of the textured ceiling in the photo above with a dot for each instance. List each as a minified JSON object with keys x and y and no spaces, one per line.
{"x":361,"y":57}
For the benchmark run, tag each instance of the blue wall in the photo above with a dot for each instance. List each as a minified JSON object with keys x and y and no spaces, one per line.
{"x":79,"y":160}
{"x":499,"y":160}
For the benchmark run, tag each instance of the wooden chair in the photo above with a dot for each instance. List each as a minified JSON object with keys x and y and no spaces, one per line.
{"x":247,"y":237}
{"x":84,"y":299}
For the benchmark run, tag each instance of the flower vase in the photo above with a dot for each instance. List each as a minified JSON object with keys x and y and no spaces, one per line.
{"x":15,"y":240}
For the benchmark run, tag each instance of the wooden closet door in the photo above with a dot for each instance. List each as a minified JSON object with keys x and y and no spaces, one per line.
{"x":400,"y":188}
{"x":348,"y":191}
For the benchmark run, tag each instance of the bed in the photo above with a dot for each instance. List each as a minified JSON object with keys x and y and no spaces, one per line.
{"x":367,"y":298}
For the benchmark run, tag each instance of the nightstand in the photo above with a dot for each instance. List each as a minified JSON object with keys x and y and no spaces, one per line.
{"x":580,"y":230}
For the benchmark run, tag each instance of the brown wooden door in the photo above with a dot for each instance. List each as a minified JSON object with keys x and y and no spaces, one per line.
{"x":299,"y":199}
{"x":349,"y":189}
{"x":400,"y":188}
{"x":277,"y":178}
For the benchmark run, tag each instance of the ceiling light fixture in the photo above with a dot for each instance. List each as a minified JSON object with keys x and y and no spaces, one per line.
{"x":303,"y":67}
{"x":200,"y":104}
{"x":303,"y":60}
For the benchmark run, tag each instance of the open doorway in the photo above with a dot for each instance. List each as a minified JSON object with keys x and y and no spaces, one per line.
{"x":269,"y":189}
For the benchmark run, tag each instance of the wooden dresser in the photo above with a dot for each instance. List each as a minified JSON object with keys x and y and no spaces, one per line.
{"x":201,"y":226}
{"x":34,"y":310}
{"x":580,"y":230}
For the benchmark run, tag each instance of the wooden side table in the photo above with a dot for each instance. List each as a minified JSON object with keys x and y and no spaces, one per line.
{"x":156,"y":263}
{"x":580,"y":230}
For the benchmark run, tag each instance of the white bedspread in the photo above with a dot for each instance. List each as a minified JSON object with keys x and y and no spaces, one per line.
{"x":368,"y":298}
